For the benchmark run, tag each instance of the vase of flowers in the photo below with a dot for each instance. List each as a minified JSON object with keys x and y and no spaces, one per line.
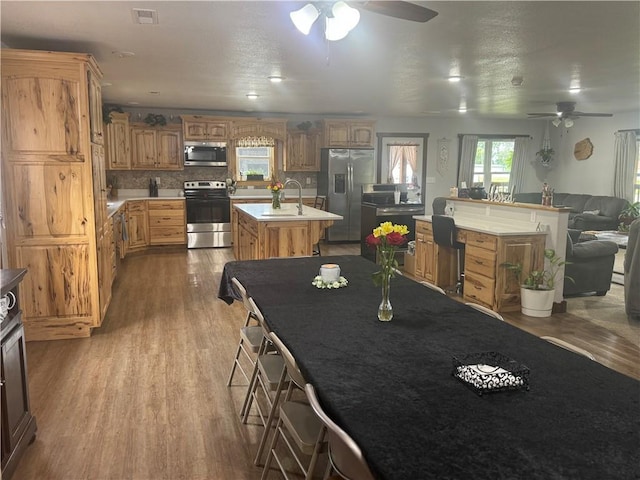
{"x":276,"y":187}
{"x":386,"y":238}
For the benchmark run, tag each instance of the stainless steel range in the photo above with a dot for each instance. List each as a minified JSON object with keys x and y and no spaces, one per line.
{"x":208,"y":214}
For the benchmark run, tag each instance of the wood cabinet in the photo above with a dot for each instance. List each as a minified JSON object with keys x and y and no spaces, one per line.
{"x":106,"y":255}
{"x":275,"y":128}
{"x":118,"y":142}
{"x":51,"y":208}
{"x":167,"y":225}
{"x":18,"y":424}
{"x":486,"y":282}
{"x":156,"y":148}
{"x":137,"y":225}
{"x":349,"y":134}
{"x":303,"y":151}
{"x":205,"y":128}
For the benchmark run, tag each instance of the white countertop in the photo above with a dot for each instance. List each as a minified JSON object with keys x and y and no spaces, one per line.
{"x":491,"y":226}
{"x":263,"y":212}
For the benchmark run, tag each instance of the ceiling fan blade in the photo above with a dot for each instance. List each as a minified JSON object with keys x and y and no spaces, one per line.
{"x":403,"y":10}
{"x":540,"y":115}
{"x":582,"y":114}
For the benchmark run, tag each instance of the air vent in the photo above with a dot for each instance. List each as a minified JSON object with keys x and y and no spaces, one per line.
{"x":144,"y":16}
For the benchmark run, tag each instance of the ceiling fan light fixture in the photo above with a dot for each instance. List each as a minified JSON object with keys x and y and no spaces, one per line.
{"x":334,"y":30}
{"x":348,"y":16}
{"x":568,"y":122}
{"x":556,"y":122}
{"x":303,"y":19}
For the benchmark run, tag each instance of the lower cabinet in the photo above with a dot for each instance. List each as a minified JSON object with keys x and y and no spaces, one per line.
{"x":106,"y":257}
{"x":18,"y":425}
{"x":137,"y":225}
{"x":167,"y":225}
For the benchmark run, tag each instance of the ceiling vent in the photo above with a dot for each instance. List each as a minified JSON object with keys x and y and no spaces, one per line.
{"x":144,"y":16}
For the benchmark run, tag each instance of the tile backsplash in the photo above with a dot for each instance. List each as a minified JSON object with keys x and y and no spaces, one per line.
{"x":139,"y":179}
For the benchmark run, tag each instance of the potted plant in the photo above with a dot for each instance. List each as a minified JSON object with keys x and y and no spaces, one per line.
{"x":254,"y":175}
{"x":546,"y":155}
{"x":538,"y":288}
{"x":628,"y":215}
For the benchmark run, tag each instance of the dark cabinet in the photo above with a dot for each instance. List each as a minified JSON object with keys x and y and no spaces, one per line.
{"x":18,"y":425}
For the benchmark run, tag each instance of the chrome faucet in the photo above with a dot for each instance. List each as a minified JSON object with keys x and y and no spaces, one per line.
{"x":291,"y":180}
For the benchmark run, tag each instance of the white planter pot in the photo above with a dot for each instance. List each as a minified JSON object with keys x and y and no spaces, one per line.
{"x":536,"y":303}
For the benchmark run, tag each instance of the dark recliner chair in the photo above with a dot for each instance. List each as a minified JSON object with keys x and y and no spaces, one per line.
{"x":632,"y":272}
{"x":590,"y":265}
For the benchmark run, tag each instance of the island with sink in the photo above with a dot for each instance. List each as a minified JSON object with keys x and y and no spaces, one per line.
{"x":260,"y":231}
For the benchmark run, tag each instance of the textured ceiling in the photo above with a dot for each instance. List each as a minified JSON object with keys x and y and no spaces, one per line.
{"x":209,"y":55}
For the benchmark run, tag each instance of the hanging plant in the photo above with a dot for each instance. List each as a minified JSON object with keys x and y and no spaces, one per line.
{"x":155,"y":120}
{"x":545,"y":155}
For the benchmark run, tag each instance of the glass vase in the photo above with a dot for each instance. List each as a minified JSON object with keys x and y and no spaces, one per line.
{"x":385,"y":310}
{"x":275,"y":201}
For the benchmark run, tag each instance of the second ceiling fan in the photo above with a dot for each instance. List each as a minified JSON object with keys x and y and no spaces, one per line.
{"x":566,"y":112}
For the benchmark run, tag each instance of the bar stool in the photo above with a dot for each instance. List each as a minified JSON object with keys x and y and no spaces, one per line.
{"x":319,"y":204}
{"x":444,"y":234}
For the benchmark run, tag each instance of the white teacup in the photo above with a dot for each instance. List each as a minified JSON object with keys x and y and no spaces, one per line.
{"x":330,"y":272}
{"x":6,"y":303}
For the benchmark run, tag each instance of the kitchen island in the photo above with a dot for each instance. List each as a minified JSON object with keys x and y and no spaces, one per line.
{"x":260,"y":231}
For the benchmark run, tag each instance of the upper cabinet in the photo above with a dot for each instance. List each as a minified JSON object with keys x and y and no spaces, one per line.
{"x":204,"y":128}
{"x":156,"y":148}
{"x":349,"y":134}
{"x":275,"y":128}
{"x":118,"y":142}
{"x":303,"y":151}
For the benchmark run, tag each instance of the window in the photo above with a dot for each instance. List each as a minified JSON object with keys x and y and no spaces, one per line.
{"x":402,"y":163}
{"x":254,"y":161}
{"x":493,"y":163}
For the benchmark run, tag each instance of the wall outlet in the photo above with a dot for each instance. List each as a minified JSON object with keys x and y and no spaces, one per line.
{"x":308,"y":180}
{"x":158,"y":181}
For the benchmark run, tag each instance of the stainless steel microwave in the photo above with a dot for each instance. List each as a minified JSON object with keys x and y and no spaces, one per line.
{"x":205,"y":154}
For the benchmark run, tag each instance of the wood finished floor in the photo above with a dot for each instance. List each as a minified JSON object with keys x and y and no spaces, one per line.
{"x":146,"y":398}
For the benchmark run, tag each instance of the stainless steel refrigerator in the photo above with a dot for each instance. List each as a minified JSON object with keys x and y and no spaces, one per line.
{"x":342,"y":174}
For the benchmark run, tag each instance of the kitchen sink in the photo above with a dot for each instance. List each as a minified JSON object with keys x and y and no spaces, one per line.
{"x":110,"y":204}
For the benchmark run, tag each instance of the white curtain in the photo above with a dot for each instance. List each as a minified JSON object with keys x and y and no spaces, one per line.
{"x":467,"y":159}
{"x":518,"y":164}
{"x":395,"y":157}
{"x":625,"y":167}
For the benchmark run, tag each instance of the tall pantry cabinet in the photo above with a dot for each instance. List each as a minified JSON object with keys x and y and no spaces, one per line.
{"x":55,"y":190}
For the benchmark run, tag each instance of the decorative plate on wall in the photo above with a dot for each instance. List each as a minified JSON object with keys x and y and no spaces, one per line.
{"x":583,"y":149}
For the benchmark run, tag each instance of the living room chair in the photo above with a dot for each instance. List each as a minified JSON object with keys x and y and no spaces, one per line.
{"x":483,"y":309}
{"x":589,"y":265}
{"x":265,"y":377}
{"x":444,"y":235}
{"x":569,"y":346}
{"x":345,"y":456}
{"x":433,"y":287}
{"x":250,"y":336}
{"x":297,"y":423}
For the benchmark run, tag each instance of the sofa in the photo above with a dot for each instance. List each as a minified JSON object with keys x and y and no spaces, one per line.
{"x":632,"y":273}
{"x":589,"y":265}
{"x":588,"y":212}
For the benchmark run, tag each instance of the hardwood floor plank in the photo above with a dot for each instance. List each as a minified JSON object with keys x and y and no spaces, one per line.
{"x":145,"y":397}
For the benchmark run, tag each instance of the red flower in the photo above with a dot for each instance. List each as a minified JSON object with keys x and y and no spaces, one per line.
{"x":372,"y":241}
{"x":396,"y":239}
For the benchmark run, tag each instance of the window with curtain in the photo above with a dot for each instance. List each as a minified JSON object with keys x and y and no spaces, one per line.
{"x":636,"y":184}
{"x":402,"y":163}
{"x":254,"y":160}
{"x":493,"y":162}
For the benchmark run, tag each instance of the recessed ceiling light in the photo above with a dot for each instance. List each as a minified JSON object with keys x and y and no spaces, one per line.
{"x":120,"y":54}
{"x":153,"y":92}
{"x":133,"y":103}
{"x":574,"y":90}
{"x":275,"y":78}
{"x":462,"y":109}
{"x":252,"y":96}
{"x":455,"y":78}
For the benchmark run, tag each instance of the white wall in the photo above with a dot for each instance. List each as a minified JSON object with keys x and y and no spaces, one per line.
{"x":595,"y":174}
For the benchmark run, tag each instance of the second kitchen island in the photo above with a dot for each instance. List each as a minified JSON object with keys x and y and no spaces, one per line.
{"x":261,"y":232}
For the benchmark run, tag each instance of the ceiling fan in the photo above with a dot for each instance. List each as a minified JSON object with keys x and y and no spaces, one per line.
{"x":341,"y":17}
{"x":566,"y":112}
